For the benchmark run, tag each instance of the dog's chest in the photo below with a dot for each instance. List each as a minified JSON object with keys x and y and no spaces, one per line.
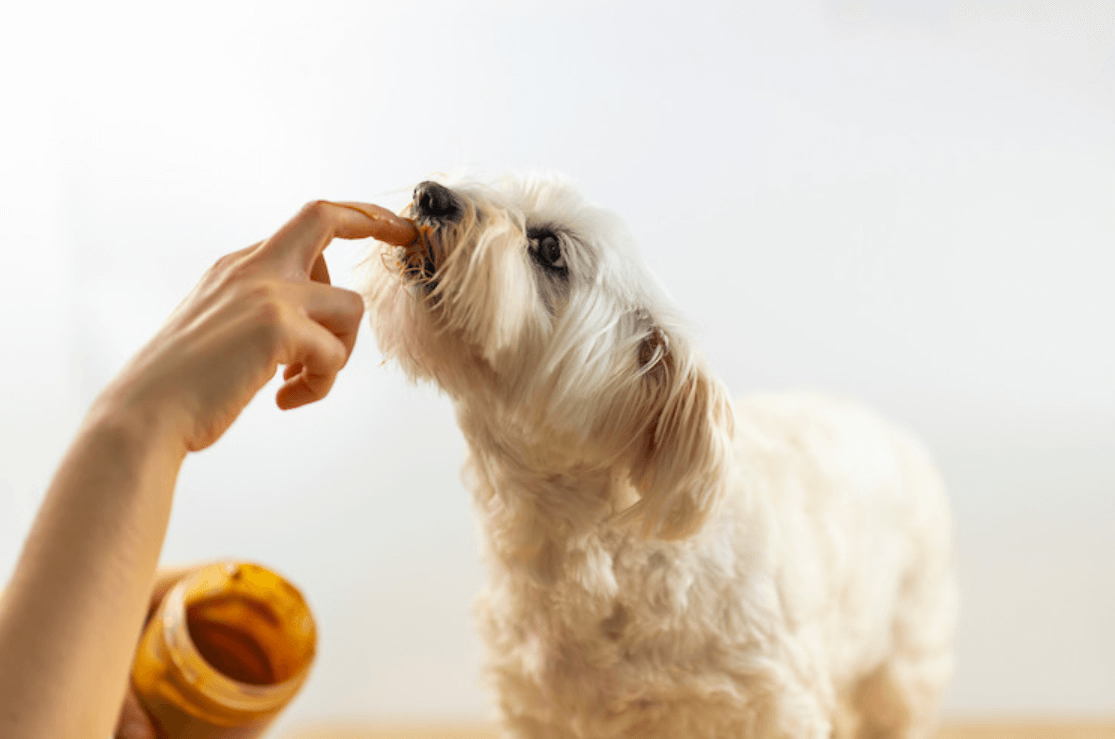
{"x":616,"y":607}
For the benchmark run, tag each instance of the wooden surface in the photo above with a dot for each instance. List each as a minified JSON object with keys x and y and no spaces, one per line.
{"x":1027,"y":731}
{"x":956,"y":730}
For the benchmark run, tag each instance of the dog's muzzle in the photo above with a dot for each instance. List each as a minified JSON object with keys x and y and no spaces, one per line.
{"x":436,"y":203}
{"x":436,"y":209}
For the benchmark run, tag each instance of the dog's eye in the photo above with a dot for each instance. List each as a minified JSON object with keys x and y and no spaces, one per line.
{"x":546,"y":250}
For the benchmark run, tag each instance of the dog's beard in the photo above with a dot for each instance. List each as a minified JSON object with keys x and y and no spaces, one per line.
{"x":419,"y":261}
{"x":418,"y":265}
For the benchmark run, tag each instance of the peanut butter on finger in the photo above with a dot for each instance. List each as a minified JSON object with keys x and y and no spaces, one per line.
{"x":390,"y":228}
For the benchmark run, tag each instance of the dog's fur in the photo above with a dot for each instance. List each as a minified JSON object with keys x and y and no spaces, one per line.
{"x":663,"y":562}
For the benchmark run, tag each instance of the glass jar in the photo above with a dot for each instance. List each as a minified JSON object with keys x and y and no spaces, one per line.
{"x":229,"y":646}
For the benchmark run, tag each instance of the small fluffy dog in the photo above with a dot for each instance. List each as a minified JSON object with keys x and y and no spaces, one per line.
{"x":664,"y":563}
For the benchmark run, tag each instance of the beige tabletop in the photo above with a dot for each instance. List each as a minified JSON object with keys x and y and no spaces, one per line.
{"x":956,"y":730}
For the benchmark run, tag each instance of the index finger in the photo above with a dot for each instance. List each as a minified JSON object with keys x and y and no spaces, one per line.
{"x":301,"y":240}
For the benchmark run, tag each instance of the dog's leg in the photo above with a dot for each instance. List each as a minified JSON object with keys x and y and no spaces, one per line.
{"x":899,"y":700}
{"x":799,"y":713}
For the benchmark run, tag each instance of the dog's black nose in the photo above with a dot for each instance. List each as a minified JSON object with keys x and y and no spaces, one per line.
{"x":436,"y":201}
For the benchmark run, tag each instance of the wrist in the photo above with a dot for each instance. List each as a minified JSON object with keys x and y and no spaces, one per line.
{"x":143,"y":426}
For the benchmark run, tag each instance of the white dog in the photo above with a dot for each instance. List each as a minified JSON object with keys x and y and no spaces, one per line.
{"x":663,"y":563}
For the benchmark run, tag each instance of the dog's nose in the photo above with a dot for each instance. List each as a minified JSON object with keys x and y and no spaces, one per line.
{"x":436,"y":201}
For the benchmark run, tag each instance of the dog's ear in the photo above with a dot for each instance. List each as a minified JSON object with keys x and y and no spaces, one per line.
{"x":653,"y":350}
{"x":681,"y":470}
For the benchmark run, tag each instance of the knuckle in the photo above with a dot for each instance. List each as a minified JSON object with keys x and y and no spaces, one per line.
{"x":233,"y":268}
{"x":315,"y":210}
{"x":224,"y":267}
{"x":259,"y":291}
{"x":340,"y":355}
{"x":223,"y":263}
{"x":354,"y":303}
{"x":333,"y":359}
{"x":267,"y":305}
{"x":270,"y":314}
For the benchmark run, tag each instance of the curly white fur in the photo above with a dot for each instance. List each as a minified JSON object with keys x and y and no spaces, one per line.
{"x":663,"y":563}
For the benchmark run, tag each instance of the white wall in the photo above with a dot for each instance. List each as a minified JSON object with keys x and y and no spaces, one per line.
{"x":915,"y":207}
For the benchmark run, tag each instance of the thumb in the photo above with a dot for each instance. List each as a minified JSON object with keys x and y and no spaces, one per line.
{"x":134,"y":723}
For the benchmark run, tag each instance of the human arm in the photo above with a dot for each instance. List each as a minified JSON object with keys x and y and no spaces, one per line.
{"x":133,"y":721}
{"x":72,"y":612}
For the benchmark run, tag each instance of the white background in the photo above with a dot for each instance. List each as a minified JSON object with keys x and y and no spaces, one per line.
{"x":912,"y":206}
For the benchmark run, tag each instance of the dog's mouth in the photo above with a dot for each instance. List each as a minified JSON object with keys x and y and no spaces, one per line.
{"x":419,"y":260}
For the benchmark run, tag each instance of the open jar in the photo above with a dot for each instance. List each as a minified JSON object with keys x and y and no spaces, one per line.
{"x":226,"y":650}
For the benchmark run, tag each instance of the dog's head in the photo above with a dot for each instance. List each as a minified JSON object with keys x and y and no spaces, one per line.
{"x":531,"y":308}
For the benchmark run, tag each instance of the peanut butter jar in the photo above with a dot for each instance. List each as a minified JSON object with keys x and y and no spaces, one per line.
{"x":229,"y":646}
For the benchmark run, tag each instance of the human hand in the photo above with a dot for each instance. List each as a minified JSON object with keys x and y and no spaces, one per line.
{"x":134,"y":723}
{"x":267,"y":305}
